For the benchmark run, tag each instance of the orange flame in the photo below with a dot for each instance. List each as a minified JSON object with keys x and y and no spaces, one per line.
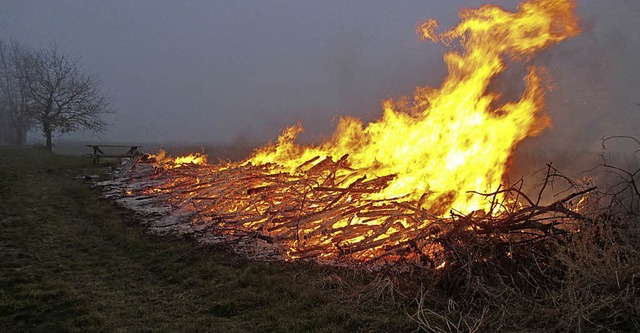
{"x":190,"y":159}
{"x":164,"y":161}
{"x":453,"y":139}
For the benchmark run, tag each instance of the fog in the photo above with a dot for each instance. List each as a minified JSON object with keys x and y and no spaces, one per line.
{"x":229,"y":71}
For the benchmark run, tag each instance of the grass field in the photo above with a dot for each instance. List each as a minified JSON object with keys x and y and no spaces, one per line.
{"x":74,"y":262}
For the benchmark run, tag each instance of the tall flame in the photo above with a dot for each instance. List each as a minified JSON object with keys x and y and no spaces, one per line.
{"x":452,"y":139}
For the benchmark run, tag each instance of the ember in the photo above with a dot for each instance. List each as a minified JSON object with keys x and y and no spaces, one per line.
{"x":400,"y":188}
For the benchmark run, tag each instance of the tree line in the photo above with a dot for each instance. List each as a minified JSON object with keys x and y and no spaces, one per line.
{"x":46,"y":89}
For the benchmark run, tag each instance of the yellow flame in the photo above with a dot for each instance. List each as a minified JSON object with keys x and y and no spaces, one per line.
{"x":164,"y":161}
{"x":431,"y":151}
{"x":455,"y":138}
{"x":190,"y":159}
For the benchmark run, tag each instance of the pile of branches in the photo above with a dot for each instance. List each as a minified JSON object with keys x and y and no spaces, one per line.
{"x":324,"y":211}
{"x":523,"y":229}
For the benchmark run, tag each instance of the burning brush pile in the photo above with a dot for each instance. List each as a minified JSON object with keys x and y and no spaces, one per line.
{"x":412,"y":187}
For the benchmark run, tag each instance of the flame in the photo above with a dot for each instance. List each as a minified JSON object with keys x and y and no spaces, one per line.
{"x":190,"y":159}
{"x":456,"y":138}
{"x":164,"y":161}
{"x":388,"y":182}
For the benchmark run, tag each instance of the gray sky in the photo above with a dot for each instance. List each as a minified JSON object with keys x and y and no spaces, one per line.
{"x":219,"y":71}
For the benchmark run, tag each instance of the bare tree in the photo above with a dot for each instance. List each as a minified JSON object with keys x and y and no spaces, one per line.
{"x":15,"y":105}
{"x":64,"y":97}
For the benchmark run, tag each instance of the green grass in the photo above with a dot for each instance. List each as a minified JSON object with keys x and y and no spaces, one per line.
{"x":74,"y":262}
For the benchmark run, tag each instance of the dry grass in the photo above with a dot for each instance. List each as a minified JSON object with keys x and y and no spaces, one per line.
{"x":588,"y":283}
{"x":586,"y":280}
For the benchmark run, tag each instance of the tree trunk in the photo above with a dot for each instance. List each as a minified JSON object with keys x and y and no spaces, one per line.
{"x":47,"y":133}
{"x":20,"y":135}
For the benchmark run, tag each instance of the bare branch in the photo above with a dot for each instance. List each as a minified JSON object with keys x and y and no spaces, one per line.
{"x":66,"y":98}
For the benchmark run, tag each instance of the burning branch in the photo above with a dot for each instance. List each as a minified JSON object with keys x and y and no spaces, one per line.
{"x":397,"y":190}
{"x":324,"y":213}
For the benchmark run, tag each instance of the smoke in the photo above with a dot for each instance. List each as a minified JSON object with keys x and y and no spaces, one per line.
{"x":595,"y":93}
{"x":596,"y":78}
{"x":213,"y":72}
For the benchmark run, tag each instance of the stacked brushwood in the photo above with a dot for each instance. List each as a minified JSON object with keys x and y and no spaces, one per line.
{"x":324,"y":211}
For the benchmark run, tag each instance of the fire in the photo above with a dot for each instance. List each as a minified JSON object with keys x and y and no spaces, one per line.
{"x":190,"y":159}
{"x":164,"y":161}
{"x":389,"y":187}
{"x":453,"y":139}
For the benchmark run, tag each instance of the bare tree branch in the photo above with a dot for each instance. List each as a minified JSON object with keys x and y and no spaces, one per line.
{"x":15,"y":105}
{"x":67,"y":98}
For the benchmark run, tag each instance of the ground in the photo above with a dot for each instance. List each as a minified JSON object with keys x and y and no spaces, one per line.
{"x":74,"y":262}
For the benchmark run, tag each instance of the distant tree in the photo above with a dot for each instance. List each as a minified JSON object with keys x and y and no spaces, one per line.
{"x":63,"y":97}
{"x":15,"y":110}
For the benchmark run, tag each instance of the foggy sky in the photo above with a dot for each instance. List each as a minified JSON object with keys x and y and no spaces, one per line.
{"x":219,"y":71}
